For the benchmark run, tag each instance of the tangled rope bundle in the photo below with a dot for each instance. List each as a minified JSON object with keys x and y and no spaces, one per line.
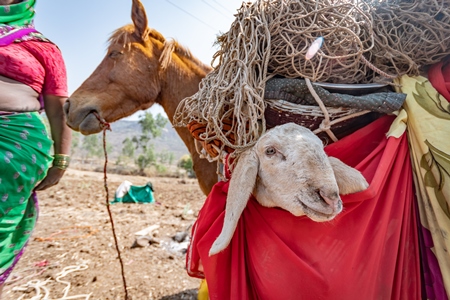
{"x":364,"y":42}
{"x":410,"y":35}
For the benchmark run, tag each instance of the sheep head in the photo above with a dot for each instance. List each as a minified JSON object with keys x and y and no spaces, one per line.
{"x":288,"y":168}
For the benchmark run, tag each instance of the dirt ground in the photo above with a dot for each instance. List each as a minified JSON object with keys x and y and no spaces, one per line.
{"x":74,"y":234}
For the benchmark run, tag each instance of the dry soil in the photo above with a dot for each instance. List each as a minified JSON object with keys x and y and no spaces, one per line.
{"x":72,"y":251}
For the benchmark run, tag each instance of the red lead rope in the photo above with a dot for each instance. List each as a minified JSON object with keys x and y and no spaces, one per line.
{"x":105,"y":126}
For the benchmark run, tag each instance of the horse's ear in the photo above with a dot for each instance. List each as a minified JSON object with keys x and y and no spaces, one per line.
{"x":139,"y":18}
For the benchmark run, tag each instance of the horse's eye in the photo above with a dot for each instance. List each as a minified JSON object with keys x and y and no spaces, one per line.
{"x":114,"y":54}
{"x":271,"y":151}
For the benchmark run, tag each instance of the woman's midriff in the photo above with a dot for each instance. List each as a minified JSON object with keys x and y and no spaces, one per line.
{"x":17,"y":97}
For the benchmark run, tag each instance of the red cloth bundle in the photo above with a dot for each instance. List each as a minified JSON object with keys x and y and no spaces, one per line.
{"x":439,"y":76}
{"x":369,"y":251}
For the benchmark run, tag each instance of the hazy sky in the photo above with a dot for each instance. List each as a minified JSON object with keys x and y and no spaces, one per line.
{"x":81,"y":28}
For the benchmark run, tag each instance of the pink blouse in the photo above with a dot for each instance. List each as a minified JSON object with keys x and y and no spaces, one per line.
{"x":39,"y":65}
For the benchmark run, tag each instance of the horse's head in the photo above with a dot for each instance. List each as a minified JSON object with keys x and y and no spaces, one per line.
{"x":127,"y":79}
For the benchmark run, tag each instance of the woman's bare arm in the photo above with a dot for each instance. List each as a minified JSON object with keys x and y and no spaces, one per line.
{"x":61,"y":135}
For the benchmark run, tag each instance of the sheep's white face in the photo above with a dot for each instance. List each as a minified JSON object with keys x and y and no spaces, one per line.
{"x":295,"y":174}
{"x":288,"y":168}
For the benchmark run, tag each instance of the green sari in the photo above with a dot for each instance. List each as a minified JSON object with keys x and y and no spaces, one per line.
{"x":19,"y":14}
{"x":24,"y":160}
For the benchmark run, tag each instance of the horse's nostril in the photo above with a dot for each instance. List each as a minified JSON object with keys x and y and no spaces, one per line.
{"x":66,"y":107}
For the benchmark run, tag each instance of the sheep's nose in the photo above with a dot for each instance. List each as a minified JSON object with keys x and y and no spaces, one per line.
{"x":332,"y":199}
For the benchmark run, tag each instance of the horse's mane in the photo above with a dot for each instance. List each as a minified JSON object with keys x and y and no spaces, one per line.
{"x":125,"y":36}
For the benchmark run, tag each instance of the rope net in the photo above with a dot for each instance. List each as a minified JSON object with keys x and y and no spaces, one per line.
{"x":364,"y":42}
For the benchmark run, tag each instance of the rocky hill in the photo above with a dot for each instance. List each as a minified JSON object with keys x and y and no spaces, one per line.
{"x":169,"y":141}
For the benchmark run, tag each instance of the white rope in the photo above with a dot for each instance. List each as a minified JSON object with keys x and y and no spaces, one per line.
{"x":43,"y":293}
{"x":325,"y":125}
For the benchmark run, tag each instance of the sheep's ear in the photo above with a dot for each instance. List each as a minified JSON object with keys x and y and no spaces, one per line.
{"x":241,"y":187}
{"x":349,"y":180}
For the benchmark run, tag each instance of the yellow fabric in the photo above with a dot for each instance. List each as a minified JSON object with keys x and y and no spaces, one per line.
{"x":427,"y":115}
{"x":398,"y":127}
{"x":203,"y":291}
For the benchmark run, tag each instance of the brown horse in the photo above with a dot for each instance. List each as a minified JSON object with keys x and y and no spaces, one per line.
{"x":140,"y":68}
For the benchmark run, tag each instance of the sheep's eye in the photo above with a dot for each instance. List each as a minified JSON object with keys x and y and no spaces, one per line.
{"x":271,"y":151}
{"x":115,"y":54}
